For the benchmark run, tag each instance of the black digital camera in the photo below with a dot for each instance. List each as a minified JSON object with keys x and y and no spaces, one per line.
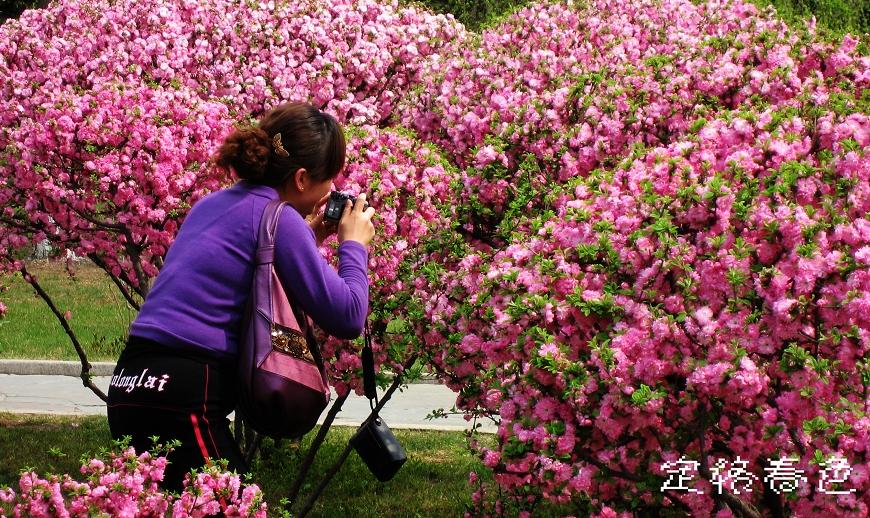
{"x":335,"y":205}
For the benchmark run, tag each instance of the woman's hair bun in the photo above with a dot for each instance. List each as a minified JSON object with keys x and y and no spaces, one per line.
{"x":246,"y":151}
{"x":304,"y":138}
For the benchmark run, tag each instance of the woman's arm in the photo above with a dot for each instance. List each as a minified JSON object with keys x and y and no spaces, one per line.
{"x":338,"y":302}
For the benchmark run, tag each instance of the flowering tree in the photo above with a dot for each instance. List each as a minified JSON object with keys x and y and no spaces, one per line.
{"x":411,"y":185}
{"x":666,"y":258}
{"x":638,"y":241}
{"x":111,"y":110}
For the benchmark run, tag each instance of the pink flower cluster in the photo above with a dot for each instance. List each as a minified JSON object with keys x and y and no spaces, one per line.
{"x":127,"y":485}
{"x":626,"y":235}
{"x":409,"y":184}
{"x":111,"y":110}
{"x":106,"y":172}
{"x":666,"y":240}
{"x":563,"y":89}
{"x":354,"y":58}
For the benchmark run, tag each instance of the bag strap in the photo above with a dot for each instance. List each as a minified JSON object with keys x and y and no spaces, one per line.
{"x":266,"y":255}
{"x":368,"y":365}
{"x":266,"y":252}
{"x":266,"y":233}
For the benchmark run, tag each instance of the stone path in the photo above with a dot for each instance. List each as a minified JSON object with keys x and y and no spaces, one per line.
{"x":58,"y":394}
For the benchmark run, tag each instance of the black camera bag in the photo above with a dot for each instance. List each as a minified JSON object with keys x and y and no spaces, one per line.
{"x":374,"y":442}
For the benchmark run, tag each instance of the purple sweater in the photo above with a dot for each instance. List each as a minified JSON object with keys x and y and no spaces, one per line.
{"x":200,"y":294}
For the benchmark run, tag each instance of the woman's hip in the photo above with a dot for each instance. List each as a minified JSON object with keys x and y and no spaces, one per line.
{"x":149,"y":376}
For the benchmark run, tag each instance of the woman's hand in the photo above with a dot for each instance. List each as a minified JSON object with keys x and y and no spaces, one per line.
{"x":323,"y":228}
{"x":356,"y":223}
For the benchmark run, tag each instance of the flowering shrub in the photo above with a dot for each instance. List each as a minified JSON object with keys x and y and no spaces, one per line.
{"x":111,"y":109}
{"x":666,"y":256}
{"x":115,"y":164}
{"x":411,"y":185}
{"x":126,"y":484}
{"x":637,"y":240}
{"x":354,"y":58}
{"x":559,"y":90}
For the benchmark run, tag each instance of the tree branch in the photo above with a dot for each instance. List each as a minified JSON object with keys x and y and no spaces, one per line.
{"x":791,"y":431}
{"x":704,"y":463}
{"x":634,"y":478}
{"x":252,"y":448}
{"x":740,"y":505}
{"x":773,"y":503}
{"x":312,"y":450}
{"x":333,"y":470}
{"x":86,"y":366}
{"x":397,"y":382}
{"x":134,"y":253}
{"x":15,"y":224}
{"x":103,"y":224}
{"x":678,"y":503}
{"x":728,"y":498}
{"x":121,"y":287}
{"x":797,"y":441}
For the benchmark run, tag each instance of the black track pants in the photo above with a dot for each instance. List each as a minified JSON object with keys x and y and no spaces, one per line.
{"x":157,"y":391}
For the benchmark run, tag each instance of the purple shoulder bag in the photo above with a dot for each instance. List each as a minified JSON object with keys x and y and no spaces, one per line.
{"x":283,"y":387}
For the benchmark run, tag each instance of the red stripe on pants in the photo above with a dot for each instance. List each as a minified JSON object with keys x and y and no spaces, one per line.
{"x":204,"y":450}
{"x":217,"y":452}
{"x":199,"y":441}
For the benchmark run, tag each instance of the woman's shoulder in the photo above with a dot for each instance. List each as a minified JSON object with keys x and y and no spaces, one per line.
{"x":225,"y":199}
{"x":292,"y":222}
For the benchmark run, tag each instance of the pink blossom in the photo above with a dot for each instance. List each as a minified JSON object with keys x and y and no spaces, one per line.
{"x":639,"y":197}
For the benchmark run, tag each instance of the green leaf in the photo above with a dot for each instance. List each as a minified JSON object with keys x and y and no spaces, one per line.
{"x":794,"y":358}
{"x":397,"y":326}
{"x":736,"y":277}
{"x":644,"y":395}
{"x":816,"y":425}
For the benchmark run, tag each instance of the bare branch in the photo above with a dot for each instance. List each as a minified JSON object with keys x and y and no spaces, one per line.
{"x":121,"y":287}
{"x":333,"y":470}
{"x":134,"y":253}
{"x":728,"y":498}
{"x":634,"y":478}
{"x":252,"y":448}
{"x":678,"y":503}
{"x":86,"y":366}
{"x":610,"y":471}
{"x":704,"y":463}
{"x":103,"y":224}
{"x":397,"y":382}
{"x":15,"y":224}
{"x":797,"y":441}
{"x":302,"y":472}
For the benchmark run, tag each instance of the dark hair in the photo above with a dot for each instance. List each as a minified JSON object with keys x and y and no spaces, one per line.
{"x":312,"y":139}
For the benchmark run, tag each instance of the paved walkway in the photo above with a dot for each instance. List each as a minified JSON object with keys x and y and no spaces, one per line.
{"x":56,"y":394}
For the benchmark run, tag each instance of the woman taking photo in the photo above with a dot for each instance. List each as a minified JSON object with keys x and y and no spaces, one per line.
{"x":176,"y":378}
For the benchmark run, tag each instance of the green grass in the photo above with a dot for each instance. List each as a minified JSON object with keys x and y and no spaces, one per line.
{"x":26,"y":442}
{"x":476,"y":15}
{"x":433,"y":482}
{"x":835,"y":17}
{"x":100,"y":317}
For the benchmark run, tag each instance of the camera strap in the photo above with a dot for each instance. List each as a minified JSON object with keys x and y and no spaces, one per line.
{"x":368,"y":365}
{"x":375,"y":443}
